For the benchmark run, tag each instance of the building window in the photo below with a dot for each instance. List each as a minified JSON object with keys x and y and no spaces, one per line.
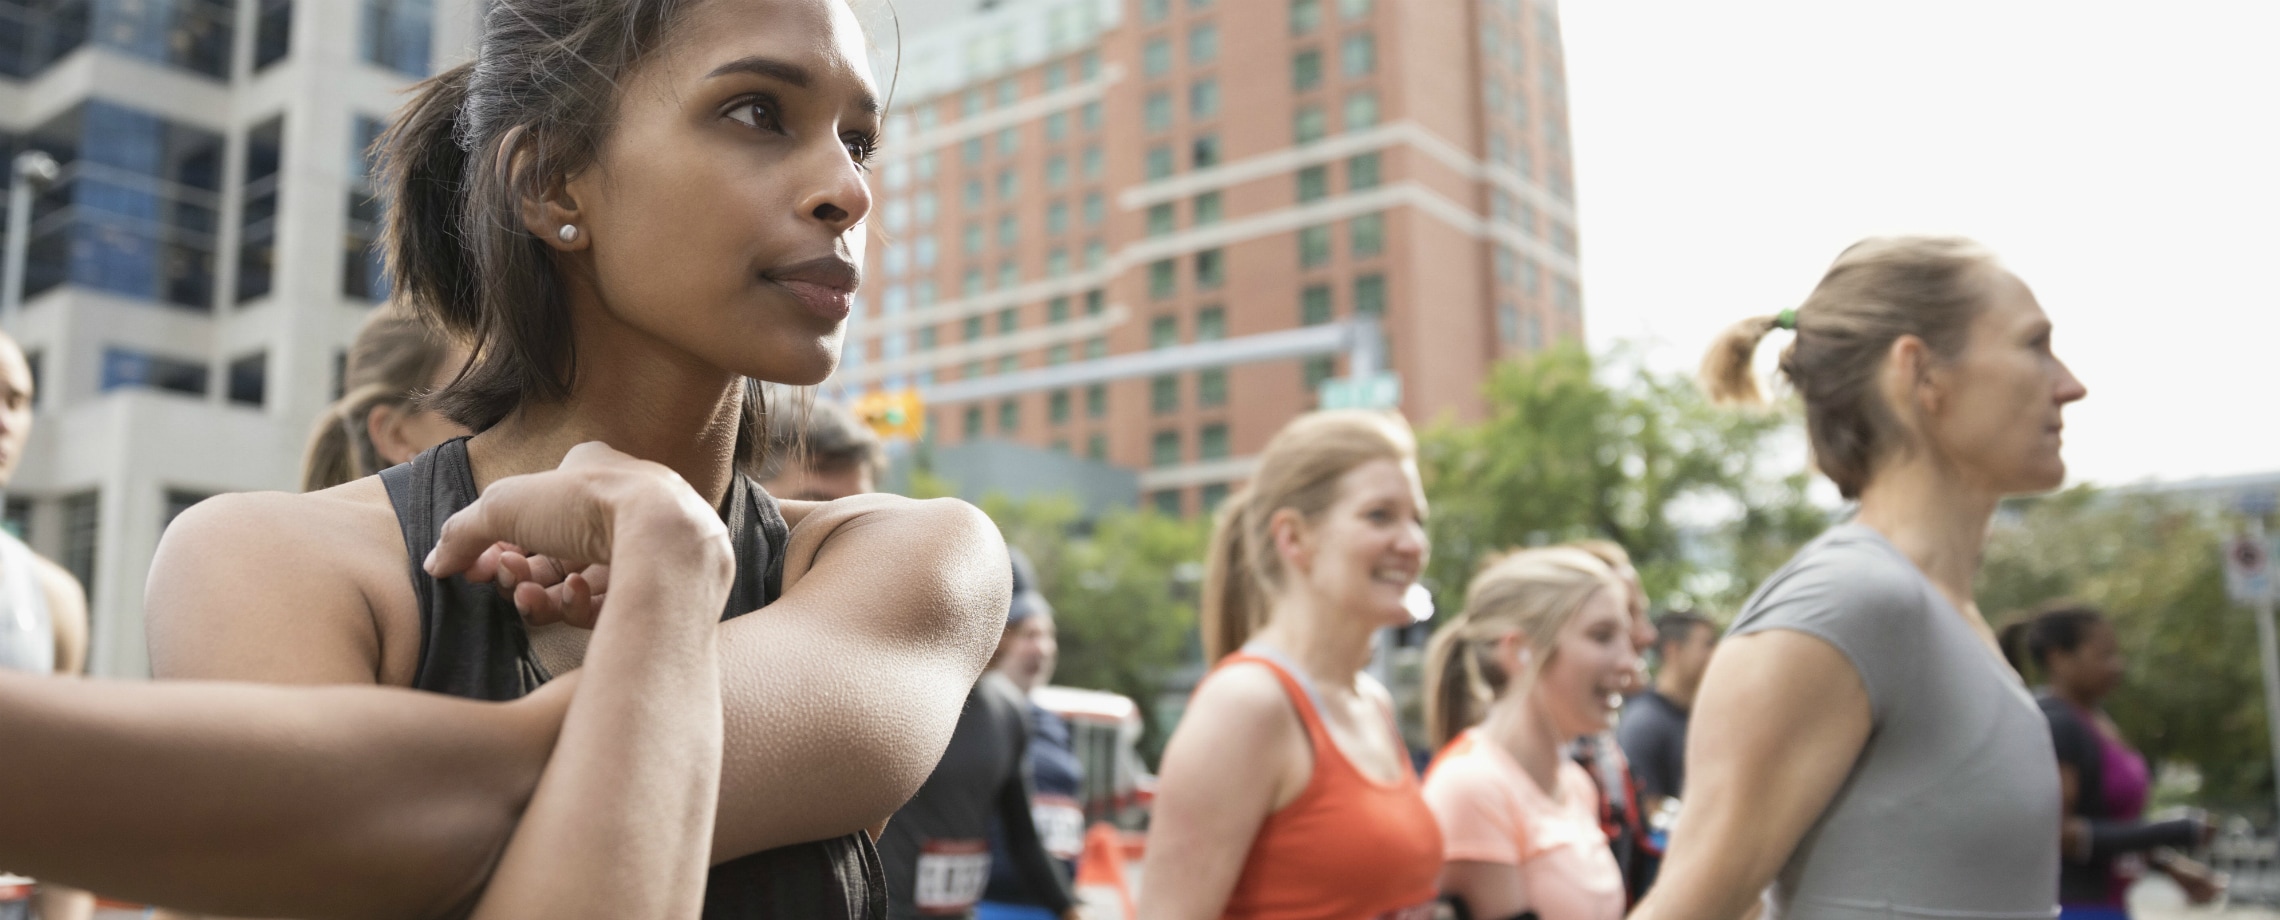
{"x":1210,"y":270}
{"x":1056,"y":127}
{"x":1056,"y":262}
{"x":1163,"y":278}
{"x":1163,"y":332}
{"x":1357,"y":55}
{"x":1056,"y":218}
{"x":1096,"y":209}
{"x":257,"y":220}
{"x":973,"y":328}
{"x":1306,"y":70}
{"x":1309,"y":124}
{"x":1314,"y":305}
{"x":1056,"y":76}
{"x":1008,"y":230}
{"x":1205,"y":151}
{"x":1089,"y":116}
{"x":973,"y":419}
{"x":1207,"y":209}
{"x":1369,"y":295}
{"x":1354,"y":9}
{"x":972,"y":151}
{"x":1203,"y":99}
{"x":126,"y":368}
{"x":1009,"y":319}
{"x":1164,"y":449}
{"x":1166,"y":502}
{"x":1096,"y":347}
{"x":1008,"y":274}
{"x":1009,"y":363}
{"x":1154,"y":10}
{"x":396,"y":34}
{"x":1007,"y":93}
{"x":1366,"y":235}
{"x":928,"y":337}
{"x":1156,"y":57}
{"x":16,"y":518}
{"x":249,"y":379}
{"x":1159,"y":162}
{"x":1096,"y":447}
{"x":1161,"y":219}
{"x":194,"y":35}
{"x":1156,"y":111}
{"x":1057,"y":355}
{"x":1305,"y":16}
{"x":1164,"y":394}
{"x":1095,"y":301}
{"x":1362,"y":172}
{"x":1214,"y":495}
{"x":1508,"y":324}
{"x":1313,"y":183}
{"x":1096,"y":253}
{"x":1057,"y":407}
{"x":1314,"y":246}
{"x":1057,"y":310}
{"x":1057,"y":172}
{"x":82,"y":522}
{"x":1361,"y":110}
{"x":136,"y":210}
{"x":1096,"y":401}
{"x":1203,"y":44}
{"x":973,"y":240}
{"x":1210,"y":324}
{"x":1008,"y":182}
{"x":272,"y":33}
{"x":1211,"y":442}
{"x":1092,"y":163}
{"x":975,"y":192}
{"x":1008,"y":141}
{"x":1211,"y":388}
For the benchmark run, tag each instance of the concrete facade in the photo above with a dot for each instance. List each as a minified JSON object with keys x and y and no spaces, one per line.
{"x":1071,"y":179}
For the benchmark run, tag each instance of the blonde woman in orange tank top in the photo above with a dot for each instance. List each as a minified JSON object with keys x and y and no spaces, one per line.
{"x":1286,"y":792}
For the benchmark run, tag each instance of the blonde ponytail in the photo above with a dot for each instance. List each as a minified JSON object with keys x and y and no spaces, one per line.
{"x":1726,"y":367}
{"x":1232,"y":607}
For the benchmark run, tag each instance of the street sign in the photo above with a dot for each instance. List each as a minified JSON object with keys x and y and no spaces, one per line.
{"x":2248,"y":570}
{"x":1377,"y":391}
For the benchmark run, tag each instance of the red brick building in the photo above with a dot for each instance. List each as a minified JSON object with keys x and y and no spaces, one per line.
{"x":1072,"y":179}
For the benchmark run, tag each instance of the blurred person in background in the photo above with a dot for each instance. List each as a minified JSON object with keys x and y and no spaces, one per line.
{"x":378,"y":421}
{"x":1622,"y":813}
{"x":2105,"y":783}
{"x":819,"y":453}
{"x":1286,"y":791}
{"x":1536,"y":660}
{"x":1653,"y":728}
{"x":43,"y":617}
{"x":1025,"y":658}
{"x":937,"y":849}
{"x":1861,"y":676}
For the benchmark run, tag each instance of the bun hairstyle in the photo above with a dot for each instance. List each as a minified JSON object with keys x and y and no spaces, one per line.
{"x":474,"y":144}
{"x":2059,"y":628}
{"x":390,"y":363}
{"x":1534,"y":593}
{"x":1878,"y":290}
{"x":1299,"y":470}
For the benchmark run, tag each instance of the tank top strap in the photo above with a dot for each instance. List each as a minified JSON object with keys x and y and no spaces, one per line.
{"x":1302,"y":695}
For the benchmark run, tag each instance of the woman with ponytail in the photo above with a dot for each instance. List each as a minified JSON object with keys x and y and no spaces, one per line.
{"x":2104,"y":781}
{"x":630,"y":211}
{"x":1537,"y":661}
{"x":1286,"y":792}
{"x":379,"y":422}
{"x":1858,"y":742}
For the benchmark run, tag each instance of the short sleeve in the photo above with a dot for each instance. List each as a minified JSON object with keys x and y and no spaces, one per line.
{"x":1860,"y":596}
{"x":1475,"y":812}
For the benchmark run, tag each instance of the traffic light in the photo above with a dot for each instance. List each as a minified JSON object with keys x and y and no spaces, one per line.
{"x":893,"y":415}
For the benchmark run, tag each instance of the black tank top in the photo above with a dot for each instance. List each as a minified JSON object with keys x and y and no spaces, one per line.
{"x":472,"y":645}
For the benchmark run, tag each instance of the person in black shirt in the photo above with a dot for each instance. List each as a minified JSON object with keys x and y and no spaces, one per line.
{"x":1653,"y":730}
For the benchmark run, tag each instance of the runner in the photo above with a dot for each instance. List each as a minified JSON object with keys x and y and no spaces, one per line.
{"x":1622,"y":814}
{"x":1286,"y":791}
{"x":1025,"y":658}
{"x":1861,"y":675}
{"x":378,"y":422}
{"x":1653,"y":728}
{"x":2106,"y":843}
{"x":937,"y":849}
{"x":630,"y":211}
{"x":43,"y":621}
{"x":819,"y":454}
{"x":1536,"y":660}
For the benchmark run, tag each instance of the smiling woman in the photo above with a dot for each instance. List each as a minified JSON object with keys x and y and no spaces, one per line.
{"x":629,"y":211}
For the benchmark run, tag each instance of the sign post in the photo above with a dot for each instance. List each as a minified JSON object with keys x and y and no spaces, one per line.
{"x":2248,"y":578}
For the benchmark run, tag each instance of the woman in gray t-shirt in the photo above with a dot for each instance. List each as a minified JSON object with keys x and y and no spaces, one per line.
{"x":1859,"y":749}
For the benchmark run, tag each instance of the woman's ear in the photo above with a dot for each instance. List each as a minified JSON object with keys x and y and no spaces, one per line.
{"x":1912,"y":383}
{"x":549,"y":209}
{"x":1514,"y":655}
{"x":384,"y":424}
{"x":1292,"y":541}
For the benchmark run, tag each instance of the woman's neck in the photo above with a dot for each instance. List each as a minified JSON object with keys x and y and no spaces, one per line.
{"x":633,"y":393}
{"x":1937,"y":521}
{"x":1331,"y":648}
{"x":1517,"y":725}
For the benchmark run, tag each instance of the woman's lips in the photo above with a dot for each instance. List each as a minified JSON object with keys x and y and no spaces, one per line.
{"x":826,"y":301}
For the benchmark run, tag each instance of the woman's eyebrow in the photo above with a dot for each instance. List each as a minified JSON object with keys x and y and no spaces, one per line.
{"x":791,"y":73}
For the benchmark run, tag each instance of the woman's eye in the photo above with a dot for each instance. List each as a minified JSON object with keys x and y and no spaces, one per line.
{"x":758,"y":113}
{"x":861,"y":147}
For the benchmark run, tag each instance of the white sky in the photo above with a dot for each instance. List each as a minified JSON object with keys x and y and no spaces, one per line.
{"x":2124,"y":159}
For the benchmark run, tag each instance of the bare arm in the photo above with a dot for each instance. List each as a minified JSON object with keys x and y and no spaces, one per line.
{"x":67,"y":609}
{"x":1781,"y":718}
{"x":1227,"y":767}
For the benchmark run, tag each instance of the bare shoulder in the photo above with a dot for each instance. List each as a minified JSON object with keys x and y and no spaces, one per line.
{"x":1247,"y":698}
{"x":275,"y":586}
{"x":956,"y":519}
{"x":64,"y":592}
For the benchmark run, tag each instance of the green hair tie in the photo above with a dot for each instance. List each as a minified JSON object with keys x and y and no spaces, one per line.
{"x":1786,"y":319}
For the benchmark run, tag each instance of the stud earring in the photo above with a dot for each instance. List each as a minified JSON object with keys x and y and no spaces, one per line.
{"x":568,"y":234}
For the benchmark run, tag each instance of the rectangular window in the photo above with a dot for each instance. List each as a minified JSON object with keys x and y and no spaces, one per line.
{"x":1305,"y":70}
{"x":82,"y":523}
{"x":972,"y":150}
{"x":1008,"y":230}
{"x":1314,"y":305}
{"x":1203,"y":99}
{"x":1361,"y":110}
{"x":1057,"y":218}
{"x":1161,"y":219}
{"x":1211,"y":387}
{"x":1309,"y":124}
{"x":973,"y":420}
{"x":1096,"y":253}
{"x":1357,"y":55}
{"x":1008,"y":141}
{"x":927,"y":338}
{"x":1092,"y":163}
{"x":1009,"y":319}
{"x":1354,"y":9}
{"x":1009,"y":363}
{"x":1096,"y":209}
{"x":1056,"y":127}
{"x":1314,"y":246}
{"x":1096,"y":347}
{"x":1158,"y":162}
{"x":1156,"y":57}
{"x":1207,"y":209}
{"x":397,"y":33}
{"x":1057,"y":172}
{"x":257,"y":222}
{"x":1205,"y":151}
{"x":1366,"y":235}
{"x":1096,"y":401}
{"x":1164,"y":394}
{"x":1057,"y":310}
{"x":1095,"y":301}
{"x":1164,"y":450}
{"x":971,"y":283}
{"x":1154,"y":10}
{"x":1156,"y":111}
{"x":1313,"y":184}
{"x":249,"y":379}
{"x":272,"y":33}
{"x":126,"y":368}
{"x":1163,"y":332}
{"x":1210,"y":270}
{"x":1056,"y":262}
{"x":1056,"y":76}
{"x":1212,"y":442}
{"x":1369,"y":295}
{"x":1508,"y":324}
{"x":1009,"y":416}
{"x":1362,"y":172}
{"x":1305,"y":16}
{"x":1203,"y":44}
{"x":1089,"y":116}
{"x":973,"y":328}
{"x":1008,"y":182}
{"x":1214,"y":495}
{"x":975,"y":193}
{"x":1096,"y":447}
{"x":1163,"y":278}
{"x":973,"y":239}
{"x":1167,"y":501}
{"x":1006,"y":93}
{"x":1057,"y":407}
{"x":1058,"y":354}
{"x":1210,"y":324}
{"x":1009,"y":274}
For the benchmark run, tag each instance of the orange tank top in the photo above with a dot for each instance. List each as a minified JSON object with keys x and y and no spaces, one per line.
{"x":1348,"y":847}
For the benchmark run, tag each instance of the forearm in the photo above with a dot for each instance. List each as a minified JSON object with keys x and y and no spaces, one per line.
{"x":246,"y":800}
{"x":2109,"y":839}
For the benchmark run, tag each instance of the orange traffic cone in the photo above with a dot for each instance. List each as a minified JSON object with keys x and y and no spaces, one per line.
{"x":1102,"y":886}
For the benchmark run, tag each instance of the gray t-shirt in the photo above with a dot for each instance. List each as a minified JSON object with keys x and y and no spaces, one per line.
{"x":1952,"y":810}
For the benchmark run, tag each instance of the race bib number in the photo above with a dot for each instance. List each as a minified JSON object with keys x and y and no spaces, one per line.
{"x":1060,"y":825}
{"x":951,"y":875}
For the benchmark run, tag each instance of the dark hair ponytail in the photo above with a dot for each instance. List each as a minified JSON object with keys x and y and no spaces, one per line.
{"x":2057,"y":628}
{"x":2013,"y":639}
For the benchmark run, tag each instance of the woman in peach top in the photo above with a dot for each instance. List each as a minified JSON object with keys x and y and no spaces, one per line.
{"x":1534,"y":662}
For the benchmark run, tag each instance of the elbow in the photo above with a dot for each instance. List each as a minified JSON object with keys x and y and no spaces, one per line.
{"x":974,"y":578}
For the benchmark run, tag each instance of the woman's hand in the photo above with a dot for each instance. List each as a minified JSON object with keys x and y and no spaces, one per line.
{"x":2201,"y":883}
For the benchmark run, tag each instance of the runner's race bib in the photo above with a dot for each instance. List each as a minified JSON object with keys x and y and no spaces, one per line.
{"x":1060,"y":825}
{"x":951,"y":875}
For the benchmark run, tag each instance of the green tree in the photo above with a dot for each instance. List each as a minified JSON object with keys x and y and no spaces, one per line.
{"x":1564,"y":455}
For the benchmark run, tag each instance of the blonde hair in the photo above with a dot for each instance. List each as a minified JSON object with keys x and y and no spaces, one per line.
{"x":1534,"y":593}
{"x":1878,"y":290}
{"x":394,"y":357}
{"x":1299,"y":470}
